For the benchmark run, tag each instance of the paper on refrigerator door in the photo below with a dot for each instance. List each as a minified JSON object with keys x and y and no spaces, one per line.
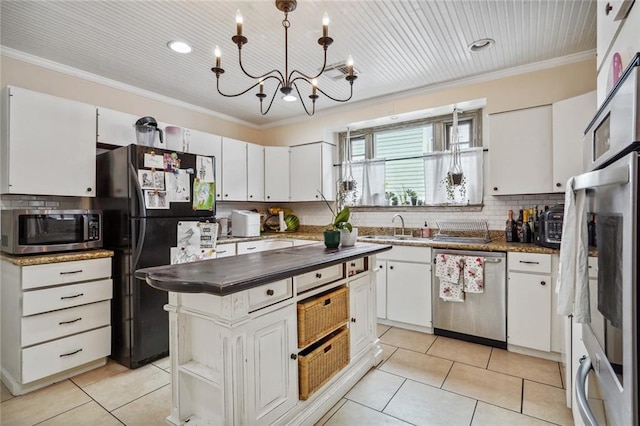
{"x":204,"y":169}
{"x":190,"y":254}
{"x":200,"y":235}
{"x":178,"y":186}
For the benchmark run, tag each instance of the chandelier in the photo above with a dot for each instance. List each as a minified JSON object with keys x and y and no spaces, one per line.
{"x":287,"y":81}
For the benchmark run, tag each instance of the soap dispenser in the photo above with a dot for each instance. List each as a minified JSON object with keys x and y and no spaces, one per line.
{"x":424,"y":232}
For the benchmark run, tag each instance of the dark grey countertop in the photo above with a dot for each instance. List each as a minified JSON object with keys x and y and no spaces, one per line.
{"x":237,"y":273}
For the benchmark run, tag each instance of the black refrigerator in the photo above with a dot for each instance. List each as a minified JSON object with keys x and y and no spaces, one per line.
{"x":141,"y":229}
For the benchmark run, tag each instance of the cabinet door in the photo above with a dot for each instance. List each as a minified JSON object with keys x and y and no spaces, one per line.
{"x":610,"y":15}
{"x":225,"y":250}
{"x":273,"y":371}
{"x":381,"y":289}
{"x":520,"y":151}
{"x":234,"y":170}
{"x":409,"y":293}
{"x":52,"y":149}
{"x":529,"y":311}
{"x":207,"y":144}
{"x":360,"y":310}
{"x":276,"y":173}
{"x":570,"y":118}
{"x":255,"y":172}
{"x":116,"y":128}
{"x":312,"y":171}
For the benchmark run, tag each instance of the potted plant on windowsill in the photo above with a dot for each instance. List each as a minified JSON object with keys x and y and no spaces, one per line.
{"x":338,"y":227}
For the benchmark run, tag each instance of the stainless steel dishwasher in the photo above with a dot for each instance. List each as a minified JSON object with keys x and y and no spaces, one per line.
{"x":482,"y":317}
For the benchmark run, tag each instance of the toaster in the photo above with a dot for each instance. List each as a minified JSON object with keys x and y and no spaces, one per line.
{"x":550,"y":227}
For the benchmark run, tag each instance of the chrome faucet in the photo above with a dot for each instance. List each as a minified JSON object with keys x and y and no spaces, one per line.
{"x":394,"y":225}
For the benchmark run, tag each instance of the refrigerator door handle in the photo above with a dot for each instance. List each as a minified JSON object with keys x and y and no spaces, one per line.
{"x":581,"y":392}
{"x":142,"y":231}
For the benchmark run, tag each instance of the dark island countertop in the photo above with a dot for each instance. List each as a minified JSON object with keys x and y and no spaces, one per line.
{"x":237,"y":273}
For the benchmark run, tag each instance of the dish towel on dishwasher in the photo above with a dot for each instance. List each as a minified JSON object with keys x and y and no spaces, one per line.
{"x":448,"y":269}
{"x":573,"y":280}
{"x":473,"y":274}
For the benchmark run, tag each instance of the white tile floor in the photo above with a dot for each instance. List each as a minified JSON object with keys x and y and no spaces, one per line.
{"x":423,"y":380}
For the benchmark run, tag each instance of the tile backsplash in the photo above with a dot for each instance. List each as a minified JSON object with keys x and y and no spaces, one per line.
{"x":495,"y":211}
{"x":11,"y":202}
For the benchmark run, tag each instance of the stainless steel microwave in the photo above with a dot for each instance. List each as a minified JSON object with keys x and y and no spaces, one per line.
{"x":45,"y":231}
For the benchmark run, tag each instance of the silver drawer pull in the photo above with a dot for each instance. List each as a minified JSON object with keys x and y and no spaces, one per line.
{"x":71,"y":353}
{"x":221,"y":251}
{"x":71,"y":297}
{"x":70,"y":321}
{"x":71,"y":272}
{"x":529,"y":262}
{"x":251,"y":248}
{"x":488,"y":260}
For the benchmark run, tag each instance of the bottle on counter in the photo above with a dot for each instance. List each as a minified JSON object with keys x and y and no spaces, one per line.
{"x":424,"y":232}
{"x":510,"y":229}
{"x":591,"y":231}
{"x":525,"y":232}
{"x":532,"y":224}
{"x":519,"y":224}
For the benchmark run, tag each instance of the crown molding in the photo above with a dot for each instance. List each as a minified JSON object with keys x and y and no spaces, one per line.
{"x":94,"y":78}
{"x":480,"y":78}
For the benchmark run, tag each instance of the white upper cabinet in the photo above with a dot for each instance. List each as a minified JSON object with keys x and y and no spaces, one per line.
{"x":312,"y":171}
{"x":276,"y":173}
{"x":207,"y":144}
{"x":570,"y":119}
{"x":48,"y":145}
{"x":255,"y":172}
{"x":234,"y":170}
{"x":520,"y":151}
{"x":115,"y":127}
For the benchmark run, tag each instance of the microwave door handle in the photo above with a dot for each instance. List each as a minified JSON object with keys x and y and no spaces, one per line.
{"x":581,"y":392}
{"x":142,"y":231}
{"x":85,"y":226}
{"x":608,"y":176}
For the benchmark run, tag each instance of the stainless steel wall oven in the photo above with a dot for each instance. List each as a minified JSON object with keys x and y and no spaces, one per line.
{"x":612,"y":145}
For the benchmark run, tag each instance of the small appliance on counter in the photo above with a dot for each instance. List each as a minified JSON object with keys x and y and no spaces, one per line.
{"x":550,"y":227}
{"x":245,"y":223}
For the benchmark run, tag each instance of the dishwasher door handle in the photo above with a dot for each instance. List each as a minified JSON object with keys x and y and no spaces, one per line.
{"x":492,"y":260}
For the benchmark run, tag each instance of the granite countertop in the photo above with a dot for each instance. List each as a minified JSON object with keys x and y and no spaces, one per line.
{"x":495,"y":245}
{"x":237,"y":273}
{"x":41,"y":259}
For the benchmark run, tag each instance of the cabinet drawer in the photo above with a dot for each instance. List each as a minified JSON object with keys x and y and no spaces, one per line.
{"x":51,"y":299}
{"x":59,"y":355}
{"x":56,"y":324}
{"x":407,"y":254}
{"x":65,"y":272}
{"x":316,"y":278}
{"x":225,"y":250}
{"x":356,"y":266}
{"x":529,"y":262}
{"x":268,"y":294}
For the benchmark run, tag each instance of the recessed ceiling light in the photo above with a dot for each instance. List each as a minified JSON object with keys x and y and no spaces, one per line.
{"x":179,"y":46}
{"x":482,"y":44}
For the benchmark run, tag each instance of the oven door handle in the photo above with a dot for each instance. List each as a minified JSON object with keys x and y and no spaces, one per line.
{"x":581,"y":392}
{"x":608,"y":176}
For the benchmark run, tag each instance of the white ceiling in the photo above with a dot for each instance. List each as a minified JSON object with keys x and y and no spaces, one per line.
{"x":397,"y":45}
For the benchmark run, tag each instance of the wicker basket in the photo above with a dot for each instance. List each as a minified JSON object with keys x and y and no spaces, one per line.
{"x":319,"y":363}
{"x":321,"y":314}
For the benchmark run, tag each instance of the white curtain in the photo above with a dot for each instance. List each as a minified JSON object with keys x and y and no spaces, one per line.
{"x":370,"y":177}
{"x":436,"y":166}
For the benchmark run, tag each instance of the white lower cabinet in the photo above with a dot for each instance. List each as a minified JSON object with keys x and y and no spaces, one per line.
{"x":262,"y":245}
{"x":225,"y":250}
{"x":403,"y":286}
{"x":55,"y":321}
{"x":361,"y":313}
{"x":273,"y":373}
{"x":532,"y":321}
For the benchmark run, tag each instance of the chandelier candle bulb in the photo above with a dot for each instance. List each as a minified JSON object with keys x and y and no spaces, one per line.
{"x":217,"y":54}
{"x":350,"y":65}
{"x":325,"y":25}
{"x":238,"y":22}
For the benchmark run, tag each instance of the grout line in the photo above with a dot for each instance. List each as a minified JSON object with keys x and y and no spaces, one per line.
{"x":522,"y":396}
{"x":475,"y":408}
{"x":99,"y":405}
{"x":141,"y":396}
{"x":394,"y":394}
{"x":386,"y":414}
{"x":446,"y":376}
{"x":63,"y":412}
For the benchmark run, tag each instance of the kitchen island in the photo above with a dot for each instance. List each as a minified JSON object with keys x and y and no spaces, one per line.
{"x":269,"y":337}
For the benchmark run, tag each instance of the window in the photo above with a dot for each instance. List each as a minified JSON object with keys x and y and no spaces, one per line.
{"x":402,"y":148}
